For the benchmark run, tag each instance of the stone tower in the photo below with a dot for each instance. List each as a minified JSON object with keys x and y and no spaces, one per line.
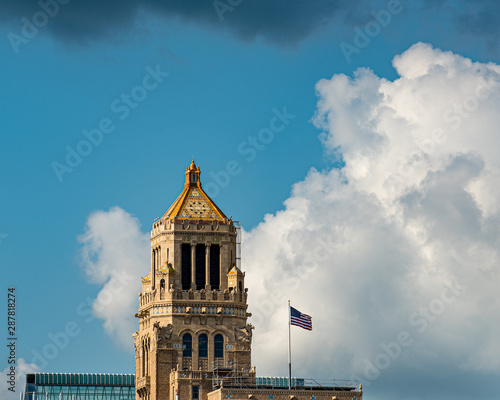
{"x":193,"y":304}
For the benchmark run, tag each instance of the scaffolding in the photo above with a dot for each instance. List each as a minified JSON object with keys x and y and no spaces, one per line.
{"x":237,"y":225}
{"x":229,"y":376}
{"x":228,"y":373}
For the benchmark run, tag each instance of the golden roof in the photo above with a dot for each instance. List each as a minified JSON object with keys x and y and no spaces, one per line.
{"x":235,"y":270}
{"x":193,"y":202}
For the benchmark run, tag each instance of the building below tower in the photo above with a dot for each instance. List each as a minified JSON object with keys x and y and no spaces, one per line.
{"x":52,"y":386}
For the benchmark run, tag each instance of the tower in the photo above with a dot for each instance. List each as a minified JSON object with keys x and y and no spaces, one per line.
{"x":193,"y":304}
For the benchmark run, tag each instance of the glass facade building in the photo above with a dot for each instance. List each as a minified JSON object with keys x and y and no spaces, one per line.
{"x":49,"y":386}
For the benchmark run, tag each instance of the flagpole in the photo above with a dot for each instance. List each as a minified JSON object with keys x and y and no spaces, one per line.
{"x":289,"y":347}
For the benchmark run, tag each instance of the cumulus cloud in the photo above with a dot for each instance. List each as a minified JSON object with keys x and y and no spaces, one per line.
{"x":21,"y":369}
{"x":114,"y":255}
{"x":395,"y":255}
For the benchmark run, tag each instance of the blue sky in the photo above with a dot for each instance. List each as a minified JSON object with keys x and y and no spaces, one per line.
{"x":203,"y":86}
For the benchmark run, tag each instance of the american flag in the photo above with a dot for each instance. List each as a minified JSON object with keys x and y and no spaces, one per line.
{"x":300,"y":319}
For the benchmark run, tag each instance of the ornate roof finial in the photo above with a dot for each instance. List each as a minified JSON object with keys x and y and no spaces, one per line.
{"x":192,"y":167}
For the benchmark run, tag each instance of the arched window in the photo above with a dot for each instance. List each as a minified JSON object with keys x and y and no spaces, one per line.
{"x":187,"y":345}
{"x":203,"y":346}
{"x":162,"y":284}
{"x":219,"y":346}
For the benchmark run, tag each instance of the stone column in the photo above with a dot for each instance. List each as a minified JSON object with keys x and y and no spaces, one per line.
{"x":207,"y":266}
{"x":153,"y":268}
{"x":193,"y":266}
{"x":222,"y":267}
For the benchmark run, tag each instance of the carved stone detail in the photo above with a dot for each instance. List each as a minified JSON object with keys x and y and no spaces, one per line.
{"x":243,"y":334}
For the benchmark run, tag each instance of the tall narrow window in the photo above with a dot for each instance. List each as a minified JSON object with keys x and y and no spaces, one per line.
{"x":143,"y":358}
{"x":200,"y":266}
{"x":187,"y":345}
{"x":203,"y":346}
{"x":186,"y":266}
{"x":219,"y":346}
{"x":196,"y":392}
{"x":215,"y":266}
{"x":147,"y":356}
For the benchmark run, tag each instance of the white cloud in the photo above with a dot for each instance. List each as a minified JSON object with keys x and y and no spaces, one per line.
{"x":21,"y":369}
{"x":395,"y":255}
{"x":114,"y":255}
{"x":411,"y":224}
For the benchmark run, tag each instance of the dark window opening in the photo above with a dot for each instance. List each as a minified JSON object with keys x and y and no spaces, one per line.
{"x":187,"y":345}
{"x":219,"y":346}
{"x":196,"y":392}
{"x":214,"y":266}
{"x":200,"y":266}
{"x":186,"y":266}
{"x":203,"y":346}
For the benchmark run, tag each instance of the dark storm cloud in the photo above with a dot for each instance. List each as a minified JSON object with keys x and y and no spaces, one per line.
{"x":279,"y":21}
{"x":481,"y":18}
{"x":475,"y":18}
